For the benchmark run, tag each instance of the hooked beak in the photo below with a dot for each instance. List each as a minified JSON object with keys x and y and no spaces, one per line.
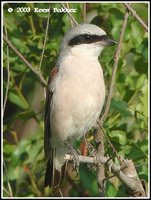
{"x":108,"y":42}
{"x":105,"y":41}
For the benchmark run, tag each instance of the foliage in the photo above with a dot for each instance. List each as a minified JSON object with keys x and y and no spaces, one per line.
{"x":127,"y":122}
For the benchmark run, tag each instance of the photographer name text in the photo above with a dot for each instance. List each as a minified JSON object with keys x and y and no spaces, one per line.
{"x":43,"y":10}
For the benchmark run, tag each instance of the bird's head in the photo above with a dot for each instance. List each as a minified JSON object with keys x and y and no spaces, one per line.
{"x":85,"y":39}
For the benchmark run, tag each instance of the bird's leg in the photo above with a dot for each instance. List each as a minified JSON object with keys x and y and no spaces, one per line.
{"x":92,"y":151}
{"x":75,"y":155}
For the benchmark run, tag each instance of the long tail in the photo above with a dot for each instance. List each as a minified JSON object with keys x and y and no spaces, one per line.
{"x":49,"y":174}
{"x":53,"y":178}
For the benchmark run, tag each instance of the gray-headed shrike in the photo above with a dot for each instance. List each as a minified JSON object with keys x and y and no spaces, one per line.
{"x":75,"y":94}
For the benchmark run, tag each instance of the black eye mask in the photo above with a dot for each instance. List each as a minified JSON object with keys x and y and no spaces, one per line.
{"x":86,"y":39}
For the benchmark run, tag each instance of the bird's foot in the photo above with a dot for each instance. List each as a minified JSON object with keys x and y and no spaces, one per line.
{"x":75,"y":155}
{"x":92,"y":151}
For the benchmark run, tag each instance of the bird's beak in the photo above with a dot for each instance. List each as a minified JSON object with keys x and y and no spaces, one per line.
{"x":108,"y":42}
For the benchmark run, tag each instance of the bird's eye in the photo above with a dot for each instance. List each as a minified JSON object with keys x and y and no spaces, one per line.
{"x":87,"y":38}
{"x":84,"y":39}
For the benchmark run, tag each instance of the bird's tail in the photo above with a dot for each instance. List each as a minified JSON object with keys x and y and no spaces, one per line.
{"x":54,"y":177}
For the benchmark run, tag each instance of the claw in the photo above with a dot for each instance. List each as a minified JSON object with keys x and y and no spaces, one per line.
{"x":75,"y":155}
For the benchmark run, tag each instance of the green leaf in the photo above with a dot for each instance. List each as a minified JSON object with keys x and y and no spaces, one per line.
{"x":137,"y":33}
{"x":120,"y":135}
{"x":34,"y":150}
{"x":144,"y":100}
{"x":127,"y":33}
{"x":139,"y":150}
{"x":116,"y":16}
{"x":8,"y":148}
{"x":21,"y":45}
{"x":142,"y":49}
{"x":26,"y":115}
{"x":141,"y":66}
{"x":88,"y":182}
{"x":12,"y":173}
{"x":135,"y":80}
{"x":115,"y":31}
{"x":20,"y":153}
{"x":16,"y":98}
{"x":121,"y":107}
{"x":19,"y":67}
{"x":110,"y":190}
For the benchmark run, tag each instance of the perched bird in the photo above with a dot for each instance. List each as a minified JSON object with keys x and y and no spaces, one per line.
{"x":75,"y":94}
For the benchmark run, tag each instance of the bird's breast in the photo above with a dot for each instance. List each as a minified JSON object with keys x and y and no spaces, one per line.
{"x":78,"y":98}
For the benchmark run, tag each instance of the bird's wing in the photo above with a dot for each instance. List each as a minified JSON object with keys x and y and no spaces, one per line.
{"x":48,"y":150}
{"x":47,"y":128}
{"x":53,"y":177}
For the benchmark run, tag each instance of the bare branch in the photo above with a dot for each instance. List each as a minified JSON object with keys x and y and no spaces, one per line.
{"x":71,"y":20}
{"x":99,"y":136}
{"x":133,"y":185}
{"x":84,"y":12}
{"x":131,"y":173}
{"x":8,"y":183}
{"x":128,"y":176}
{"x":70,"y":16}
{"x":34,"y":70}
{"x":115,"y":66}
{"x":8,"y":73}
{"x":46,"y":33}
{"x":136,"y":16}
{"x":82,"y":159}
{"x":6,"y":192}
{"x":99,"y":139}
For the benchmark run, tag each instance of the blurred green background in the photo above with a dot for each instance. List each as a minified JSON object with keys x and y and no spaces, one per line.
{"x":127,"y":122}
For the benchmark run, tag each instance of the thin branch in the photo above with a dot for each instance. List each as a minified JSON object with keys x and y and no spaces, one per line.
{"x":31,"y":21}
{"x":6,"y":192}
{"x":8,"y":73}
{"x":130,"y":179}
{"x":110,"y":143}
{"x":82,"y":159}
{"x":84,"y":12}
{"x":115,"y":66}
{"x":7,"y":180}
{"x":136,"y":16}
{"x":46,"y":34}
{"x":34,"y":182}
{"x":34,"y":70}
{"x":71,"y":21}
{"x":100,"y":136}
{"x":128,"y":176}
{"x":32,"y":25}
{"x":99,"y":139}
{"x":70,"y":16}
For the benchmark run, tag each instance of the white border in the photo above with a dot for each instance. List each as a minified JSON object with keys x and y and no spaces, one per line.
{"x":2,"y":3}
